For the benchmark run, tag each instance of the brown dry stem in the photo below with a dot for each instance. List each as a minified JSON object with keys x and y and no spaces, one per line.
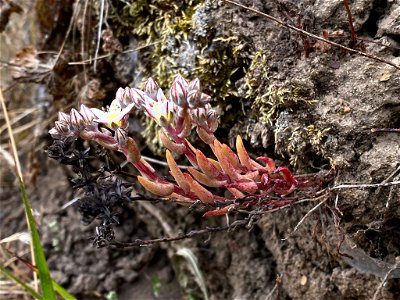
{"x":294,"y":28}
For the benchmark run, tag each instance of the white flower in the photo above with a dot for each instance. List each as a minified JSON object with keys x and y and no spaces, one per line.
{"x":114,"y":116}
{"x":159,"y":108}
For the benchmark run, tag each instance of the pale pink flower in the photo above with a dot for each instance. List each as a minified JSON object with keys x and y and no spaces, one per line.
{"x":114,"y":116}
{"x":159,"y":108}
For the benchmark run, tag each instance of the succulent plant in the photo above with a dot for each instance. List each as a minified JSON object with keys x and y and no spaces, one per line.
{"x":249,"y":182}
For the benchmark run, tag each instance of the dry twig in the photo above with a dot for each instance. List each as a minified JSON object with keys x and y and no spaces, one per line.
{"x":191,"y":234}
{"x":245,"y":222}
{"x":378,"y":290}
{"x":91,"y":60}
{"x":361,"y":186}
{"x":305,"y":217}
{"x":312,"y":35}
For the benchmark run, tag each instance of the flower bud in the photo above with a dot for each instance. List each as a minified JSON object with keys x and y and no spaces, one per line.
{"x":137,"y":97}
{"x":181,"y":80}
{"x":55,"y":134}
{"x":194,"y":98}
{"x":121,"y":137}
{"x":194,"y":85}
{"x":199,"y":116}
{"x":178,"y":94}
{"x":151,"y":88}
{"x":63,"y":117}
{"x":212,"y":120}
{"x":87,"y":114}
{"x":76,"y":118}
{"x":205,"y":99}
{"x":124,"y":96}
{"x":61,"y":127}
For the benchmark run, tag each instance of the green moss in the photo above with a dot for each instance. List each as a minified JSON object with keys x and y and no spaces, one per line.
{"x":167,"y":25}
{"x":272,"y":104}
{"x":268,"y":98}
{"x":303,"y":139}
{"x":219,"y":65}
{"x":185,"y":44}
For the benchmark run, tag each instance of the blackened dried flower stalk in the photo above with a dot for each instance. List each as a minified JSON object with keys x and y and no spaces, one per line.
{"x":187,"y":107}
{"x":102,"y":195}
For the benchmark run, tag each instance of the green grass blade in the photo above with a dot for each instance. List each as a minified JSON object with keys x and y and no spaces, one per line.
{"x":193,"y":264}
{"x":26,"y":287}
{"x":46,"y":282}
{"x":44,"y":274}
{"x":62,"y":292}
{"x":58,"y":288}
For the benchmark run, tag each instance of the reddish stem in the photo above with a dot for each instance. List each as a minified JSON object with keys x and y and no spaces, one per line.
{"x":350,"y":18}
{"x":145,"y":171}
{"x":190,"y":155}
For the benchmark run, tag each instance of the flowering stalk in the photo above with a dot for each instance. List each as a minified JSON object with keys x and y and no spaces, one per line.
{"x":186,"y":108}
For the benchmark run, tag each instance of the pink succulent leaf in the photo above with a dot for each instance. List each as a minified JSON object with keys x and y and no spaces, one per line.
{"x":287,"y":175}
{"x":282,"y":187}
{"x":220,"y":211}
{"x":269,"y":163}
{"x":245,"y":186}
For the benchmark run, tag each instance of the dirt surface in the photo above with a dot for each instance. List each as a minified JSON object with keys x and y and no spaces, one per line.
{"x":309,"y":107}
